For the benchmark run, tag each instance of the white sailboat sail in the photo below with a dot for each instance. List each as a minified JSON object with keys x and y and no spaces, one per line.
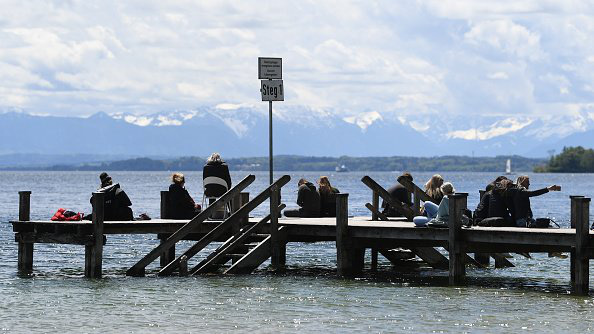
{"x":508,"y":166}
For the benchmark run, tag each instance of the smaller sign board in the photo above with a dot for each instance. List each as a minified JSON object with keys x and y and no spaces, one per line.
{"x":270,"y":68}
{"x":272,"y":90}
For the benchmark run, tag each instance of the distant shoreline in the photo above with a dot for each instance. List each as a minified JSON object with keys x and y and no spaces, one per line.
{"x":304,"y":163}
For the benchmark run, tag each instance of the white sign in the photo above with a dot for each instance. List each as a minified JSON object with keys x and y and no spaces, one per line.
{"x":272,"y":90}
{"x":270,"y":68}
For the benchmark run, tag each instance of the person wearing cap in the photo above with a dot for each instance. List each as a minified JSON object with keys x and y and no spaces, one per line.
{"x":117,"y":203}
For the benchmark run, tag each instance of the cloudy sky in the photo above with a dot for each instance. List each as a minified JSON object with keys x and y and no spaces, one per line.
{"x":403,"y":57}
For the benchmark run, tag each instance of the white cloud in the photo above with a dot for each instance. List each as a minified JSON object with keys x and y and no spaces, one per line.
{"x":425,"y":57}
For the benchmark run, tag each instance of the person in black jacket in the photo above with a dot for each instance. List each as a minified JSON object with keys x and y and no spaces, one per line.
{"x":498,"y":204}
{"x":117,"y":203}
{"x":482,"y":210}
{"x":215,"y":176}
{"x":399,"y":193}
{"x":521,"y":200}
{"x":180,"y":204}
{"x":308,"y":199}
{"x":327,"y":197}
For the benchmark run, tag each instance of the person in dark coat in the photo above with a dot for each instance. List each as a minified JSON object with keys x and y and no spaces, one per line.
{"x":117,"y":203}
{"x":180,"y":204}
{"x":399,"y":193}
{"x":215,"y":176}
{"x":308,"y":198}
{"x":498,"y":204}
{"x":521,"y":200}
{"x":327,"y":197}
{"x":482,"y":210}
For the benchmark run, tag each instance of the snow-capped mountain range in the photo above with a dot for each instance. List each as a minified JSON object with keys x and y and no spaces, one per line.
{"x":242,"y":130}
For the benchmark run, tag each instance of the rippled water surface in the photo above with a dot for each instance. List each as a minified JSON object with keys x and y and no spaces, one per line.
{"x":309,"y":297}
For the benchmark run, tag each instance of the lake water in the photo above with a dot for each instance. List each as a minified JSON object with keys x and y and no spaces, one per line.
{"x":309,"y":297}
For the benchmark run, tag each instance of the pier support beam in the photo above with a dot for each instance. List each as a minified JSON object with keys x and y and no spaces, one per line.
{"x":349,"y":259}
{"x":168,"y":255}
{"x":94,"y":253}
{"x":278,"y":251}
{"x":581,"y":261}
{"x":457,"y":254}
{"x":25,"y":249}
{"x":572,"y":221}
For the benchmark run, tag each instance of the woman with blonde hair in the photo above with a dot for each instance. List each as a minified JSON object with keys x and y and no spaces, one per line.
{"x":180,"y":204}
{"x":327,"y":197}
{"x":433,"y":188}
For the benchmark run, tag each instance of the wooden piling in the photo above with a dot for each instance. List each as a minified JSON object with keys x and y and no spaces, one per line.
{"x":183,"y":266}
{"x":168,"y":255}
{"x":572,"y":221}
{"x":25,"y":249}
{"x":581,"y":261}
{"x":348,"y":259}
{"x":457,"y":203}
{"x":275,"y":241}
{"x":482,"y":258}
{"x":375,"y":203}
{"x":94,"y":252}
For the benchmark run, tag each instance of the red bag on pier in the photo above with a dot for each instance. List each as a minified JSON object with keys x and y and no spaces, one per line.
{"x":66,"y":215}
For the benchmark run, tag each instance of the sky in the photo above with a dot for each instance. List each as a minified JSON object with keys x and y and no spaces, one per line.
{"x":429,"y":58}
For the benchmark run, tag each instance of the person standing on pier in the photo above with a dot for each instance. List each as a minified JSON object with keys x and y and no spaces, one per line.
{"x":521,"y":200}
{"x":180,"y":204}
{"x":215,"y":176}
{"x":399,"y":193}
{"x":327,"y":197}
{"x":308,"y":198}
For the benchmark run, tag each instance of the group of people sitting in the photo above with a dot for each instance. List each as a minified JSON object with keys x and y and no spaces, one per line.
{"x":504,"y":202}
{"x":509,"y":201}
{"x":314,"y":202}
{"x":179,"y":205}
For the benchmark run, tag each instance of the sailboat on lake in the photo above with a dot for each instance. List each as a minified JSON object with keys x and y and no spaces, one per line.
{"x":508,"y":167}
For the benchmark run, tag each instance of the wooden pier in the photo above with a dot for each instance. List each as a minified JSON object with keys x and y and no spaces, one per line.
{"x":249,"y":242}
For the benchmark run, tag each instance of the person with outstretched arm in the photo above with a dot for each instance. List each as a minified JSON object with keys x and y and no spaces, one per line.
{"x":521,"y":200}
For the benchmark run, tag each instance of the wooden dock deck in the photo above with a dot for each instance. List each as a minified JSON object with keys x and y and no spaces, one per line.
{"x":247,"y":242}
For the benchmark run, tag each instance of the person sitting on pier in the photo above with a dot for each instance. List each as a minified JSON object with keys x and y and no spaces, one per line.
{"x":441,"y":216}
{"x":117,"y":203}
{"x":499,"y":202}
{"x":180,"y":204}
{"x":308,"y":198}
{"x":521,"y":200}
{"x":399,"y":193}
{"x":327,"y":197}
{"x":482,"y":210}
{"x":433,"y":188}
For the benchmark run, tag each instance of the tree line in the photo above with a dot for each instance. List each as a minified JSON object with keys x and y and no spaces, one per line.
{"x":570,"y":160}
{"x":305,"y":163}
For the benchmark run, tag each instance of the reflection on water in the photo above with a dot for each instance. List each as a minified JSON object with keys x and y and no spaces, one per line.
{"x":308,"y":296}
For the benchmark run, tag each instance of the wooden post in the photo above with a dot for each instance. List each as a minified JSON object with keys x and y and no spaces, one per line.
{"x":183,"y":266}
{"x":375,"y":203}
{"x":457,"y":203}
{"x":25,"y":249}
{"x":572,"y":221}
{"x":244,"y":198}
{"x":374,"y":256}
{"x":482,"y":258}
{"x":164,"y":195}
{"x":343,"y":242}
{"x":417,"y":203}
{"x":94,"y":253}
{"x":582,"y":234}
{"x":275,"y":241}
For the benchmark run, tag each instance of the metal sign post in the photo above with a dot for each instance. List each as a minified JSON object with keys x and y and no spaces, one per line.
{"x":272,"y":90}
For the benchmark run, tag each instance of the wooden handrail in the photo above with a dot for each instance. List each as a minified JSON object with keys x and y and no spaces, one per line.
{"x":230,"y":244}
{"x":385,"y":195}
{"x":138,"y":268}
{"x":225,"y":225}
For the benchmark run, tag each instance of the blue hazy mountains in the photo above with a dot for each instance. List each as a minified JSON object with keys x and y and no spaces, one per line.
{"x":243,"y":131}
